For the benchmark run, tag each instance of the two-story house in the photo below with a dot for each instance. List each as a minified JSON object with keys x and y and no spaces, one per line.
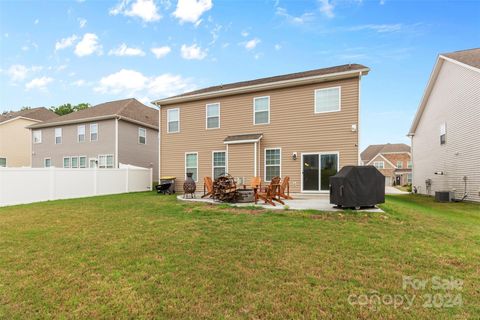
{"x":15,"y":138}
{"x":302,"y":125}
{"x":103,"y":136}
{"x":393,"y":160}
{"x":445,"y":132}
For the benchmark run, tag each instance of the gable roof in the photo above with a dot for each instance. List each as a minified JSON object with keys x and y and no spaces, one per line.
{"x":39,"y":114}
{"x":466,"y":58}
{"x":342,"y":71}
{"x":127,"y":109}
{"x":375,"y":149}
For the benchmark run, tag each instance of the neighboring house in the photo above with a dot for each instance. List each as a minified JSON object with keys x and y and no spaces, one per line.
{"x":303,"y":125}
{"x":15,"y":139}
{"x":103,"y":136}
{"x":393,"y":160}
{"x":446,"y":130}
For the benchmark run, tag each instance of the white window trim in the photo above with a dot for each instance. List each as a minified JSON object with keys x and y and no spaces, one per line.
{"x":382,"y":162}
{"x":40,"y":141}
{"x":84,"y":133}
{"x":213,"y":166}
{"x":206,"y":115}
{"x":86,"y":162}
{"x":45,"y":160}
{"x":329,"y":88}
{"x":265,"y":162}
{"x":168,"y":120}
{"x":319,"y":172}
{"x":185,"y":165}
{"x":138,"y":140}
{"x":55,"y":135}
{"x":106,"y":158}
{"x":69,"y":162}
{"x":261,"y":124}
{"x":90,"y":131}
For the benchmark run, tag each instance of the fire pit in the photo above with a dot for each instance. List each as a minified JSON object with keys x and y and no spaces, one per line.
{"x":245,"y":195}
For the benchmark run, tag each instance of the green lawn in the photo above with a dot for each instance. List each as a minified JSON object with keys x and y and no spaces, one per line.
{"x":148,"y":256}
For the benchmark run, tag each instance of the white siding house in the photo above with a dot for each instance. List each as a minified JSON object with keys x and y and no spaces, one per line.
{"x":446,"y":130}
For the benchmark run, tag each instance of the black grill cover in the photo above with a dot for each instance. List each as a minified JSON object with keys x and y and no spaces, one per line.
{"x":357,"y":186}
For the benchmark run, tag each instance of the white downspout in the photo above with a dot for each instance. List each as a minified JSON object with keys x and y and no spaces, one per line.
{"x":255,"y":159}
{"x":358,"y":124}
{"x":116,"y":142}
{"x":159,"y":153}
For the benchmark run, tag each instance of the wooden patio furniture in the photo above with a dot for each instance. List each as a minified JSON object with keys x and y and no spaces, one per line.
{"x":207,"y":187}
{"x":270,"y":193}
{"x":285,"y":186}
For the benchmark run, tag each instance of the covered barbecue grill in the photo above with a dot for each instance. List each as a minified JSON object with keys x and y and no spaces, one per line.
{"x":357,"y":186}
{"x":166,"y":185}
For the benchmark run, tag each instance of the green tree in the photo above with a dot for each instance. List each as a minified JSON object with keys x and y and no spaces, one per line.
{"x":69,"y":108}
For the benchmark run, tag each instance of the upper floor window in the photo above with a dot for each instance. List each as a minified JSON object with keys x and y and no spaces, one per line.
{"x":191,"y":164}
{"x":272,"y":163}
{"x":327,"y":100}
{"x":409,"y":164}
{"x":261,"y":110}
{"x":37,"y":136}
{"x":399,"y":164}
{"x":81,"y":133}
{"x":213,"y":116}
{"x":142,"y":135}
{"x":3,"y":162}
{"x":58,"y":135}
{"x":173,"y":120}
{"x":93,"y":132}
{"x":379,"y":164}
{"x":443,"y":133}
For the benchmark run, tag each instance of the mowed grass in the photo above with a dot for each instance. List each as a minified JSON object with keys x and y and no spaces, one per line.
{"x":148,"y":256}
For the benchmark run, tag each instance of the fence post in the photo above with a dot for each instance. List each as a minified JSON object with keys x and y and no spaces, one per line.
{"x":151,"y":180}
{"x":126,"y":179}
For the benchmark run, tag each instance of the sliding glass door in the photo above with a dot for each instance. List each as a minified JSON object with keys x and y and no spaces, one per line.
{"x":317,"y":168}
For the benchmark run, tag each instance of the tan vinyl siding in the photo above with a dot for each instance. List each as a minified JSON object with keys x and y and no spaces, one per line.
{"x":241,"y":160}
{"x":15,"y":142}
{"x":294,"y":127}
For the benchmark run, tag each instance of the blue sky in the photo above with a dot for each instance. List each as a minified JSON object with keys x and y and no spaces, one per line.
{"x":54,"y":52}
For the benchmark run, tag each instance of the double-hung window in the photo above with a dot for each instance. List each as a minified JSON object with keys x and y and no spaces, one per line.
{"x":379,"y":164}
{"x":93,"y":132}
{"x":105,"y":161}
{"x":272,"y":163}
{"x":219,"y":163}
{"x":261,"y":110}
{"x":58,"y":135}
{"x":173,"y":120}
{"x":82,"y":162}
{"x":37,"y":136}
{"x":74,"y":162}
{"x":191,"y":164}
{"x":399,"y":164}
{"x":47,"y":162}
{"x":142,"y":135}
{"x":81,"y":133}
{"x":327,"y":100}
{"x":443,"y":133}
{"x":213,"y":115}
{"x":66,"y":162}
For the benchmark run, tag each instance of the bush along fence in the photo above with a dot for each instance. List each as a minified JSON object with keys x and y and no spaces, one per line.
{"x":27,"y":185}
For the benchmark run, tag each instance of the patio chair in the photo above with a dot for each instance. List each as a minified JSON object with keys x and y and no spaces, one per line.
{"x":270,"y":193}
{"x":207,"y":187}
{"x":285,"y":186}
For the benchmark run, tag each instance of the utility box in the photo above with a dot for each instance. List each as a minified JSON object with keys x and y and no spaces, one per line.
{"x":444,"y":196}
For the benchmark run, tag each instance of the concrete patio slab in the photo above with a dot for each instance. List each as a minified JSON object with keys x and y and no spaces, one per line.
{"x":320,"y":202}
{"x":393,"y":190}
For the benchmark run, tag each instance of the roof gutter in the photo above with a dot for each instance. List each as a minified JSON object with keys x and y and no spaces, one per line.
{"x":19,"y":117}
{"x":107,"y":117}
{"x":263,"y":86}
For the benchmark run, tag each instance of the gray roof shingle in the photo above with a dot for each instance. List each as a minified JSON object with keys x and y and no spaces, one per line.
{"x":40,"y":114}
{"x":371,"y":151}
{"x":470,"y":57}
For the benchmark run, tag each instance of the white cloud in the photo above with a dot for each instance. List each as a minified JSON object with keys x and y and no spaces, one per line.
{"x":124,"y":50}
{"x":133,"y":82}
{"x":19,"y":72}
{"x":192,"y":10}
{"x":326,"y":7}
{"x":381,"y":28}
{"x":278,"y":47}
{"x":244,"y":34}
{"x":38,"y":83}
{"x":251,"y":44}
{"x":65,"y":42}
{"x":79,"y":83}
{"x":161,"y":52}
{"x":193,"y":52}
{"x":282,"y":12}
{"x":82,"y":22}
{"x":88,"y":45}
{"x":146,"y":10}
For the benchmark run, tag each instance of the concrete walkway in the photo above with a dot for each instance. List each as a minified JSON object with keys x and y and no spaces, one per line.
{"x":393,"y":190}
{"x":320,"y":202}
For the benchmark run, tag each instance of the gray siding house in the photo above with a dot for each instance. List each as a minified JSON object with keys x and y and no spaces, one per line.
{"x":446,"y":130}
{"x":103,"y":136}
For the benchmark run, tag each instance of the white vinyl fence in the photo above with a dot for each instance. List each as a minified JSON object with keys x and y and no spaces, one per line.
{"x":27,"y":185}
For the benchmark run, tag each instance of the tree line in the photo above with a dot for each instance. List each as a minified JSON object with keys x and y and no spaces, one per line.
{"x":62,"y":109}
